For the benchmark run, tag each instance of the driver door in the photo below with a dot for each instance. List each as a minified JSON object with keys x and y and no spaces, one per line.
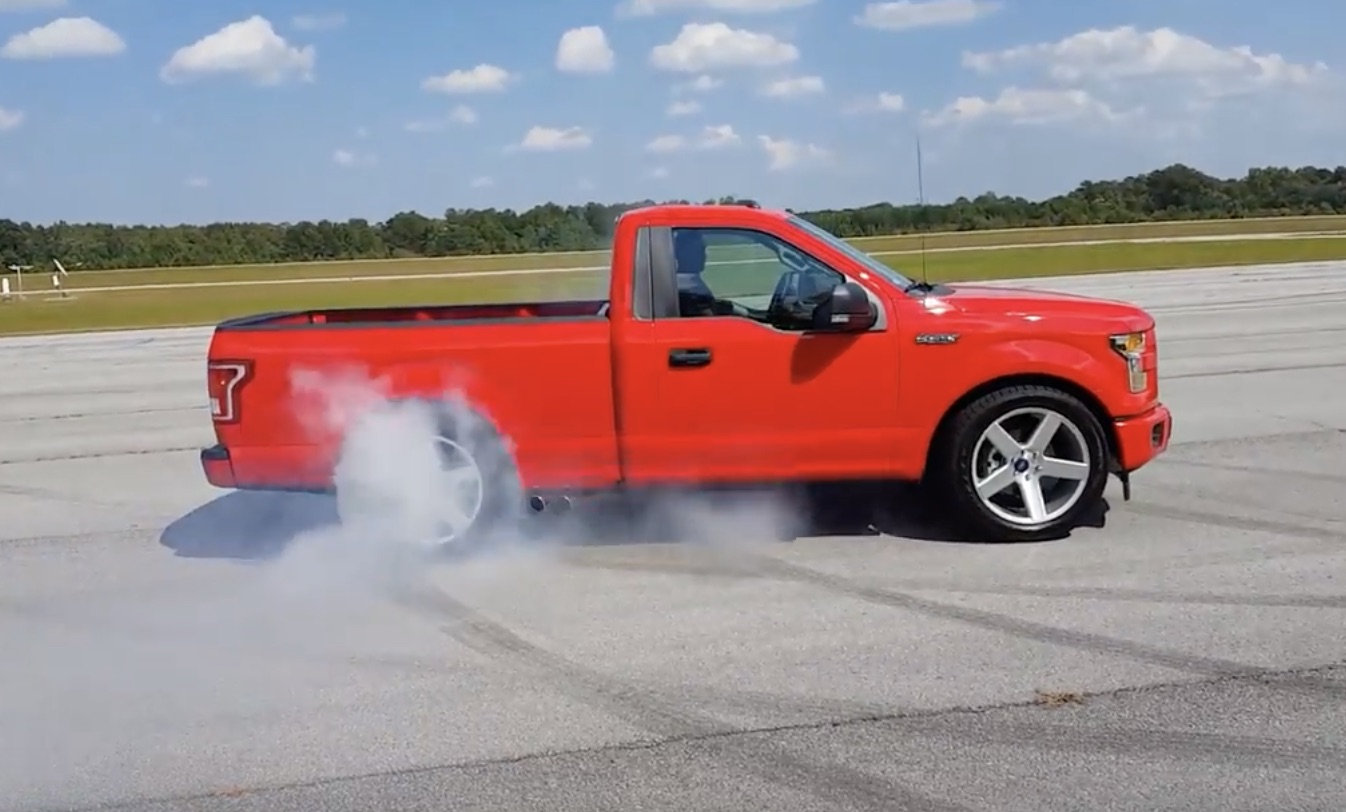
{"x":743,"y":399}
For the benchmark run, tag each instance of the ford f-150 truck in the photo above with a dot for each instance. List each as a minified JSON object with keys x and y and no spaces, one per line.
{"x":736,"y":346}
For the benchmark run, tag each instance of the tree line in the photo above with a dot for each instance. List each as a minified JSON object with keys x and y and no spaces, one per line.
{"x":1176,"y":192}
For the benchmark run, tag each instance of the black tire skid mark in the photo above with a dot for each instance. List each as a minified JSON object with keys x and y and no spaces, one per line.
{"x":1258,"y":370}
{"x":1107,"y":593}
{"x":706,"y":570}
{"x":1104,"y":593}
{"x":1136,"y":743}
{"x":99,"y":455}
{"x":1312,"y":540}
{"x":1051,"y":635}
{"x":1012,"y":626}
{"x":67,"y":498}
{"x":1308,"y":476}
{"x":121,"y":535}
{"x":1250,"y":524}
{"x":1300,"y":435}
{"x":665,"y":720}
{"x":751,"y":701}
{"x":1268,"y":504}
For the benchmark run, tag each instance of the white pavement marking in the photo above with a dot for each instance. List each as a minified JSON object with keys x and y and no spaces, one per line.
{"x":131,"y":673}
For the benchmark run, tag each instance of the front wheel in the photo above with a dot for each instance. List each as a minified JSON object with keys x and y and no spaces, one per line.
{"x":1022,"y":463}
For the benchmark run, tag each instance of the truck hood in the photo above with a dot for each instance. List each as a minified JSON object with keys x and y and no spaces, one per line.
{"x":992,"y":301}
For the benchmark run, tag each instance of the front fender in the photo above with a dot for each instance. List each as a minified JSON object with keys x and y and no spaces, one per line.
{"x":938,"y":381}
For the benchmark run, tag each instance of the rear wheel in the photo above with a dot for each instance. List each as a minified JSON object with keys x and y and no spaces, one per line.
{"x":451,"y":495}
{"x":1021,"y":463}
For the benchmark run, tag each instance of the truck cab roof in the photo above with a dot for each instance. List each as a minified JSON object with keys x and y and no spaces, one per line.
{"x":704,"y":211}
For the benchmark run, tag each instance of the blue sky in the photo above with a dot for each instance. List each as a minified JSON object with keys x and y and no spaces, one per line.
{"x":154,"y":111}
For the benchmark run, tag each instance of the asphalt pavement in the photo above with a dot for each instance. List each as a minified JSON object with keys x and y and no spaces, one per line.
{"x":170,"y":646}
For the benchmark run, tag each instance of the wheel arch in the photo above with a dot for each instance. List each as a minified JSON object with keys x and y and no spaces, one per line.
{"x":1090,"y":400}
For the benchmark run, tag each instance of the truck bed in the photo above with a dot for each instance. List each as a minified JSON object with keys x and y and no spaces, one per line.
{"x":541,"y":371}
{"x":435,"y":314}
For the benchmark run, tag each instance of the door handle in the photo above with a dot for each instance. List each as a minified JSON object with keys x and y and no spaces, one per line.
{"x":698,"y":357}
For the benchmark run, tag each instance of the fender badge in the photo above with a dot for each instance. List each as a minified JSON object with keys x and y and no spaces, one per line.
{"x":936,"y":338}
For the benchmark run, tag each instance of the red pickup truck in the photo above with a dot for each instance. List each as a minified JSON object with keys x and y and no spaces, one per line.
{"x":736,"y":346}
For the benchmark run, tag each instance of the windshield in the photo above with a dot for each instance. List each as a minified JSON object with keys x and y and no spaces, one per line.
{"x":870,"y":263}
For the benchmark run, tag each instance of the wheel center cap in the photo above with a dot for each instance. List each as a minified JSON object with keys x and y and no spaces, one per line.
{"x":1021,"y":465}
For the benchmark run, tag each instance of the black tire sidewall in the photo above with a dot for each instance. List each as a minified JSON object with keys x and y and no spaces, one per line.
{"x":957,"y":477}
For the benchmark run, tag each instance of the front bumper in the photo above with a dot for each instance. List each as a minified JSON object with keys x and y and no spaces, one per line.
{"x":1142,"y":438}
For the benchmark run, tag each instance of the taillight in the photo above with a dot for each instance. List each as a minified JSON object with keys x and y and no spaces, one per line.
{"x":224,"y":379}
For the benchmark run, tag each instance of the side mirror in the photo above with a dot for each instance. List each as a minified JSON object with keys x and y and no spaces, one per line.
{"x":847,"y":309}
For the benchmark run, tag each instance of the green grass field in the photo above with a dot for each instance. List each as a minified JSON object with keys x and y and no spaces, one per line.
{"x":146,"y":307}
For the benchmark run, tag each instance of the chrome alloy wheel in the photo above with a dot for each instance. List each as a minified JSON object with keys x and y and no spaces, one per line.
{"x":1030,"y":466}
{"x":463,"y":490}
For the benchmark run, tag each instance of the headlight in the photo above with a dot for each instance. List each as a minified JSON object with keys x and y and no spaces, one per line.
{"x":1131,"y":346}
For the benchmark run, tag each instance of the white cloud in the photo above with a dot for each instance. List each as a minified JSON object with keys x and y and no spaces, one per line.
{"x":646,"y":8}
{"x":689,"y":107}
{"x":31,"y":5}
{"x":461,"y":115}
{"x":350,"y":158}
{"x":553,"y":139}
{"x":715,"y":46}
{"x":718,"y":135}
{"x":319,"y":22}
{"x":480,"y":79}
{"x":249,"y":48}
{"x":880,"y":103}
{"x":10,"y":119}
{"x":784,"y":154}
{"x":891,"y":102}
{"x":1020,"y":106}
{"x":584,"y":50}
{"x":1160,"y":84}
{"x":482,"y":182}
{"x":1128,"y":54}
{"x":659,"y":173}
{"x":197,"y":182}
{"x":904,"y":15}
{"x":65,"y":37}
{"x":701,"y":84}
{"x":796,"y":86}
{"x":667,"y":143}
{"x":714,"y":136}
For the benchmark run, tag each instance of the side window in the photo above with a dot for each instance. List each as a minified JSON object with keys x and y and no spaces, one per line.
{"x":749,"y":274}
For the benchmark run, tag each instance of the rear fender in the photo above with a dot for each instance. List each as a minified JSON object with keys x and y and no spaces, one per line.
{"x":469,"y":397}
{"x":331,"y":401}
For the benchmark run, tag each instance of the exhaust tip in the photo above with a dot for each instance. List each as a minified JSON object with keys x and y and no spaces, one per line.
{"x":536,"y":503}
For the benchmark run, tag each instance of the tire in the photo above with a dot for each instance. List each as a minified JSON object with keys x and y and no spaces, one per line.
{"x":455,"y":514}
{"x":968,"y":453}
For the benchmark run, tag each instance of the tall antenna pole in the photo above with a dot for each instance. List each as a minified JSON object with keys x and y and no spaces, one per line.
{"x":920,"y":191}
